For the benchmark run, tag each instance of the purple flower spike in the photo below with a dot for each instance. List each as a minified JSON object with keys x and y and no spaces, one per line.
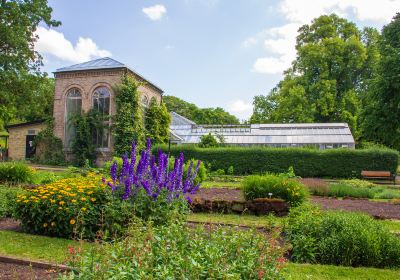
{"x":152,"y":175}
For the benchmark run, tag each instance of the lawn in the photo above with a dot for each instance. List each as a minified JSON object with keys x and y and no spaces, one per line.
{"x":36,"y":247}
{"x":330,"y":272}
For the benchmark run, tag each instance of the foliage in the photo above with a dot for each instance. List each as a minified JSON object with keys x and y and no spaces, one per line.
{"x":15,"y":172}
{"x":208,"y":141}
{"x":8,"y":195}
{"x":358,"y":183}
{"x":382,"y":113}
{"x":327,"y":81}
{"x":49,"y":148}
{"x":347,"y":190}
{"x":157,"y":121}
{"x":199,"y":115}
{"x":66,"y":208}
{"x":340,"y":238}
{"x":20,"y":79}
{"x":176,"y":251}
{"x":83,"y":145}
{"x":129,"y":119}
{"x":274,"y":186}
{"x":335,"y":163}
{"x":155,"y":192}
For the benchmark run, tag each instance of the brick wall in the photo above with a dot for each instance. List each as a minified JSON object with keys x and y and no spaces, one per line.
{"x":17,"y":139}
{"x":87,"y":82}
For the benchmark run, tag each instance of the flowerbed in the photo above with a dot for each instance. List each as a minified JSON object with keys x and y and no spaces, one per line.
{"x":91,"y":206}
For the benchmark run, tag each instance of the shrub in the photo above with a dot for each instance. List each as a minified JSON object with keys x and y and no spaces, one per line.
{"x":335,"y":163}
{"x":49,"y":148}
{"x":108,"y":164}
{"x":344,"y":190}
{"x":257,"y":186}
{"x":15,"y":172}
{"x":208,"y":141}
{"x":8,"y":195}
{"x":388,"y":194}
{"x":176,"y":251}
{"x":340,"y":238}
{"x":66,"y":208}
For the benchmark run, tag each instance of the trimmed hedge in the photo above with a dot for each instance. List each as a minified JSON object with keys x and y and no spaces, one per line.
{"x":335,"y":163}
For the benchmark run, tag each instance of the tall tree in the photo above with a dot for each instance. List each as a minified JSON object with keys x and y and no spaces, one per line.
{"x":19,"y":62}
{"x":324,"y":82}
{"x":382,"y":113}
{"x":129,"y":119}
{"x":157,"y":121}
{"x":199,"y":115}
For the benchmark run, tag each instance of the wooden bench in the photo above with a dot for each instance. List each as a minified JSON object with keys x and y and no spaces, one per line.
{"x":378,"y":175}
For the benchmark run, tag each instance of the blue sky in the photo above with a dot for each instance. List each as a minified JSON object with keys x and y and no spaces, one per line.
{"x":209,"y":52}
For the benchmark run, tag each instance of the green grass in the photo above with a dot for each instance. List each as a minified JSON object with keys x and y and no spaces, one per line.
{"x":36,"y":247}
{"x":217,"y":184}
{"x":330,"y":272}
{"x":393,"y":225}
{"x":242,"y":220}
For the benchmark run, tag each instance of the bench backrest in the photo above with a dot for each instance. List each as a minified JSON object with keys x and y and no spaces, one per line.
{"x":375,"y":173}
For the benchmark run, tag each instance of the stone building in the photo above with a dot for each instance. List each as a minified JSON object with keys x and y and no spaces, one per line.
{"x":89,"y":85}
{"x":81,"y":87}
{"x":21,"y":137}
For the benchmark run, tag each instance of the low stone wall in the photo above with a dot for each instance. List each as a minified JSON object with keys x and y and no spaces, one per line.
{"x":260,"y":206}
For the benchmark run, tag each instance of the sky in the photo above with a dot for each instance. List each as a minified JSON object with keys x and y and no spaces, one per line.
{"x":208,"y":52}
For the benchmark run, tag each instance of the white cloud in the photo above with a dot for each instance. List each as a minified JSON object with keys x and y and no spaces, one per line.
{"x":54,"y":43}
{"x":240,"y":108}
{"x":280,"y":41}
{"x":155,"y":12}
{"x":249,"y":42}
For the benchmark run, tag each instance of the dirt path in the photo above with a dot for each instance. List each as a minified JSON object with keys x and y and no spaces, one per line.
{"x":9,"y":271}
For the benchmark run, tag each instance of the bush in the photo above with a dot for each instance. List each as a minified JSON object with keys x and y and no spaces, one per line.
{"x":340,"y":238}
{"x":49,"y":148}
{"x":176,"y":251}
{"x":316,"y":186}
{"x":335,"y":163}
{"x":208,"y":141}
{"x":358,"y":183}
{"x":388,"y":194}
{"x":8,"y":195}
{"x":257,"y":186}
{"x":15,"y":172}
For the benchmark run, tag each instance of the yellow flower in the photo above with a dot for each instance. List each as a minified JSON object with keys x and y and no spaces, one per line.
{"x":83,"y":198}
{"x":18,"y":200}
{"x":93,"y":199}
{"x":26,"y":201}
{"x":72,"y":221}
{"x":45,"y":225}
{"x":73,"y":201}
{"x":53,"y":224}
{"x":61,"y":203}
{"x":52,"y":201}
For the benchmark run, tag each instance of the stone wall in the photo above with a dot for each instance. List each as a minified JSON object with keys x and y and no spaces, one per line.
{"x":17,"y":139}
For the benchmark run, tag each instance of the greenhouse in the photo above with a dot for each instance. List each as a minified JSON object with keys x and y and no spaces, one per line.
{"x":320,"y":135}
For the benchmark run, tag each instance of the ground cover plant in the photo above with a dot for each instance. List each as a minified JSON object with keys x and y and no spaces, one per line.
{"x":274,"y":186}
{"x":335,"y":163}
{"x":15,"y":173}
{"x":8,"y":195}
{"x":175,"y":251}
{"x":350,"y":188}
{"x":340,"y":238}
{"x":90,"y":206}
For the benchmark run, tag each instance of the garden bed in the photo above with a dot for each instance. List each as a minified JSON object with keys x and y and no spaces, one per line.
{"x":9,"y":271}
{"x":382,"y":210}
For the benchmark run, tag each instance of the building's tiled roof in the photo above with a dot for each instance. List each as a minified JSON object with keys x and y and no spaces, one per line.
{"x":102,"y":63}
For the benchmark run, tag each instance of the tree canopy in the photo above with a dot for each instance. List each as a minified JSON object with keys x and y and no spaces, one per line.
{"x":325,"y":83}
{"x":199,"y":115}
{"x":20,"y":78}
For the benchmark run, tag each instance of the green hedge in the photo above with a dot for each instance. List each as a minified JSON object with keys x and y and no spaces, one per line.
{"x":335,"y":163}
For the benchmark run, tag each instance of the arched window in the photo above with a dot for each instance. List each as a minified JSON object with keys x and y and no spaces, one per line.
{"x":73,"y":106}
{"x":101,"y":100}
{"x":101,"y":103}
{"x":145,"y":100}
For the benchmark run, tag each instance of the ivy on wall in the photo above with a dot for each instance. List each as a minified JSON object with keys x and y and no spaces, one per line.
{"x":157,"y":121}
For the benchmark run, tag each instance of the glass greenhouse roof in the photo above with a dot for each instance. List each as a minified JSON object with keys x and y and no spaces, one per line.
{"x":264,"y":134}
